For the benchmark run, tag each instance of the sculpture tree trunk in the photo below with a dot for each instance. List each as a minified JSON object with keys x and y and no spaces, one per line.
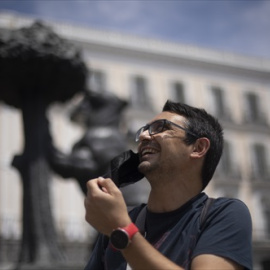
{"x":39,"y":241}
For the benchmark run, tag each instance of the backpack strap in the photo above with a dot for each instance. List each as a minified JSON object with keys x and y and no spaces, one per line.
{"x":140,"y":220}
{"x":205,"y":211}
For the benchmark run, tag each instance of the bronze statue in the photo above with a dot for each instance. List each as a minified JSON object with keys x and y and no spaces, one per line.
{"x":100,"y":114}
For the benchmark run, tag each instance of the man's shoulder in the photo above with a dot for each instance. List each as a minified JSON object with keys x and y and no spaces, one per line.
{"x":225,"y":202}
{"x":230,"y":208}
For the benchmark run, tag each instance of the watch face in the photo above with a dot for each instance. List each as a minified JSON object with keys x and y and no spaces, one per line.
{"x":119,"y":239}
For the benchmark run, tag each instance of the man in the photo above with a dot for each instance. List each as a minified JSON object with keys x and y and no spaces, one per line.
{"x":179,"y":150}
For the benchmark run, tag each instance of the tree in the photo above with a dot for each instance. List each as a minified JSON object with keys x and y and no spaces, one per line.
{"x":37,"y":68}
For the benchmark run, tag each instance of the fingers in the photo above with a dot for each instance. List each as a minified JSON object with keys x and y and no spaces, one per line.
{"x":105,"y":206}
{"x":107,"y":185}
{"x":94,"y":186}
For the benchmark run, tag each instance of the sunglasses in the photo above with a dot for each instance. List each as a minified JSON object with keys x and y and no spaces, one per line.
{"x":159,"y":126}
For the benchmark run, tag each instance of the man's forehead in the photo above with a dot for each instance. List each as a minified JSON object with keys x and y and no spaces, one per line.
{"x":173,"y":117}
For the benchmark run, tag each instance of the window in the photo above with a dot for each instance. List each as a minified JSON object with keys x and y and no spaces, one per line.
{"x":228,"y":165}
{"x":177,"y":92}
{"x":259,"y":163}
{"x":253,"y":112}
{"x":220,"y":110}
{"x":97,"y":81}
{"x":139,"y":96}
{"x":266,"y":207}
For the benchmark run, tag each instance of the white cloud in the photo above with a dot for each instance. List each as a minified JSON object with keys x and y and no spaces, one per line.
{"x":258,"y":14}
{"x":119,"y":11}
{"x":250,"y":30}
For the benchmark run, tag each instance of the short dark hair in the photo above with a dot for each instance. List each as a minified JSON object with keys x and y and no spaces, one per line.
{"x":202,"y":124}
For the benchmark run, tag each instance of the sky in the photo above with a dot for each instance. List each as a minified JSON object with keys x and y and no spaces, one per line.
{"x":237,"y":26}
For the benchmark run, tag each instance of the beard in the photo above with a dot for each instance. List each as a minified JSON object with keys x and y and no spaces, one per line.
{"x":146,"y":167}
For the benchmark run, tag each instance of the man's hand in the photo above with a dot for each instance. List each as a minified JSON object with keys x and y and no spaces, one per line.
{"x":105,"y":206}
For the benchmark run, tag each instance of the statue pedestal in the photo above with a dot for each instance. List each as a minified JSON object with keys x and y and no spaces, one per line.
{"x":51,"y":267}
{"x":77,"y":256}
{"x":68,"y":266}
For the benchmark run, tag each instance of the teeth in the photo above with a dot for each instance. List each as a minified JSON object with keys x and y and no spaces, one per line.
{"x":148,"y":151}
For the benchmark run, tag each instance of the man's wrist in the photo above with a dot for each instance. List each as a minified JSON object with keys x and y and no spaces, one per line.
{"x":121,"y":237}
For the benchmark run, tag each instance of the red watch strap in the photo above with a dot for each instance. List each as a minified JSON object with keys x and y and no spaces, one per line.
{"x":131,"y":229}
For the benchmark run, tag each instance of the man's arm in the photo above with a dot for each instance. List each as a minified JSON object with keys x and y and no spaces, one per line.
{"x":141,"y":255}
{"x":106,"y":210}
{"x":209,"y":261}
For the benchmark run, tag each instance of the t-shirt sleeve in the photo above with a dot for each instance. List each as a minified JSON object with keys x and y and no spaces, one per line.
{"x":227,"y":233}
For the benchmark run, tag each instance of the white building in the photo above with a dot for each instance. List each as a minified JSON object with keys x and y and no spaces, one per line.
{"x":146,"y":72}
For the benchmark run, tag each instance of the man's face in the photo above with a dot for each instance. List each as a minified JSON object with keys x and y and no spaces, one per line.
{"x":164,"y":152}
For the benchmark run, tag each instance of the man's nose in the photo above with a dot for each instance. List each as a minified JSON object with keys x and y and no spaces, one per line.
{"x":145,"y":135}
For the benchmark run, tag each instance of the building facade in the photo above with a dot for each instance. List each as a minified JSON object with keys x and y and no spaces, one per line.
{"x":146,"y":72}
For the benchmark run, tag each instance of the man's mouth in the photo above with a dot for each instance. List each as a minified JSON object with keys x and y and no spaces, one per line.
{"x":148,"y":151}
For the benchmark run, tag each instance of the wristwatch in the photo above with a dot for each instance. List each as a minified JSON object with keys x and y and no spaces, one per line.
{"x":121,"y":237}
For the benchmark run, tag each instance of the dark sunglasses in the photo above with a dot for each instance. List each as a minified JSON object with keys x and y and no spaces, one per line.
{"x":159,"y":126}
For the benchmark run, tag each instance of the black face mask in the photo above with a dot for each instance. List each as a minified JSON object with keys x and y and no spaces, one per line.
{"x":124,"y":169}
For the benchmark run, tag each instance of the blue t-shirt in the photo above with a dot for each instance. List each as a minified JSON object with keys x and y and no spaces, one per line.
{"x":178,"y":235}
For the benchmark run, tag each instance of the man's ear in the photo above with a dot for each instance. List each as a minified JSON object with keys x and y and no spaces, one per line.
{"x":200,"y":147}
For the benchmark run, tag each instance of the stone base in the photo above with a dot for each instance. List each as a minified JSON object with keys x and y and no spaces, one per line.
{"x":43,"y":267}
{"x":77,"y":255}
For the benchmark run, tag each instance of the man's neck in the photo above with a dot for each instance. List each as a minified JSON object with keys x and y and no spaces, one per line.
{"x":172,"y":195}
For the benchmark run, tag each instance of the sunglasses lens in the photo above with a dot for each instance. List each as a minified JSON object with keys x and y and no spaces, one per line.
{"x":156,"y":127}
